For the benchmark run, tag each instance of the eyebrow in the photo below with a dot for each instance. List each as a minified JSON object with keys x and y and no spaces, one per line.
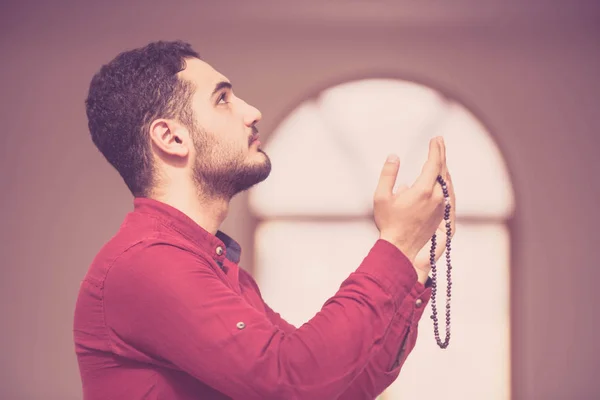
{"x":220,"y":86}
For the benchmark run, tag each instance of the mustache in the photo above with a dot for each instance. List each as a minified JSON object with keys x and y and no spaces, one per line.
{"x":253,"y":136}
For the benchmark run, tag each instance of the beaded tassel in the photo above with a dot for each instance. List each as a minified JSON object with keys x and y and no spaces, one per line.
{"x":434,"y":316}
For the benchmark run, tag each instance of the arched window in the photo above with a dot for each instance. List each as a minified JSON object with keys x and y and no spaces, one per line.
{"x":315,"y":224}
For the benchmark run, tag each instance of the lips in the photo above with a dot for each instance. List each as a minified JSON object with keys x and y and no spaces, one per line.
{"x":253,"y":139}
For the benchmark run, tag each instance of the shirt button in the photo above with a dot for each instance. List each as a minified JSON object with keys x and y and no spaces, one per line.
{"x":219,"y":250}
{"x":241,"y":325}
{"x":418,"y":303}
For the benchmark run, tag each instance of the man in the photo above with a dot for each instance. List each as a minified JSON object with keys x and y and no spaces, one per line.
{"x":165,"y":312}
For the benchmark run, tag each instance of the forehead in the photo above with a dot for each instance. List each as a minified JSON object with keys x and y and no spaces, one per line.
{"x":202,"y":75}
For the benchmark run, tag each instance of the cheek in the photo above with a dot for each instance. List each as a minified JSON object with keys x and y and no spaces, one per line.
{"x":235,"y":141}
{"x":228,"y":133}
{"x":226,"y":149}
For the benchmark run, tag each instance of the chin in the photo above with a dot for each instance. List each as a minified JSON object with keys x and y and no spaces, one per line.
{"x":265,"y":163}
{"x":259,"y":154}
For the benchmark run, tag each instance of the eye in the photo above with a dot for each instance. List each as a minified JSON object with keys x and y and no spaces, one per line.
{"x":222,"y":98}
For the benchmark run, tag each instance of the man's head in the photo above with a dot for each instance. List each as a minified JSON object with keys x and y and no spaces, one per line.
{"x":161,"y":115}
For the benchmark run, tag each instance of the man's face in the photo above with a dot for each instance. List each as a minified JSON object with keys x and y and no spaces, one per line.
{"x":227,"y":158}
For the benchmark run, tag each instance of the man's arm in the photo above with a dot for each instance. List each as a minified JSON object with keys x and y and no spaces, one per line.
{"x":163,"y":302}
{"x":384,"y":367}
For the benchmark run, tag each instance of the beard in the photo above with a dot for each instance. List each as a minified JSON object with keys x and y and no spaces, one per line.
{"x":222,"y":172}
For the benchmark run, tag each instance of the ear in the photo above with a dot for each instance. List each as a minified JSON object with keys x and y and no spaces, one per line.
{"x":170,"y":137}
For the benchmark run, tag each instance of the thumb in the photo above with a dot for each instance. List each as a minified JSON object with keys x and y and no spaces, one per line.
{"x":387,"y":179}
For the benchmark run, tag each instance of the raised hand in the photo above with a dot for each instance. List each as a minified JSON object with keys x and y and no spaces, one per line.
{"x":409,"y":217}
{"x":422,"y":261}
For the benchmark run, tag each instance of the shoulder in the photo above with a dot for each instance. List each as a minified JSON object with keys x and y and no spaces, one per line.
{"x":157,"y":255}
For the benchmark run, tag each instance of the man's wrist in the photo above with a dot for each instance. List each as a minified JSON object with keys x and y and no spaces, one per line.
{"x":422,"y":275}
{"x":422,"y":271}
{"x":408,"y":252}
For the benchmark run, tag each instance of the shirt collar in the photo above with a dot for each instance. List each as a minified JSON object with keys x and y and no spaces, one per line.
{"x":220,"y":246}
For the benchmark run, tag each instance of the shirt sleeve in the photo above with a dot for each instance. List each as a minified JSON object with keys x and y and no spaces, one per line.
{"x":384,"y":367}
{"x":166,"y":304}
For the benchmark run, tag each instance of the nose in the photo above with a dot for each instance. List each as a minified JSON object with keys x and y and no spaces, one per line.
{"x":252,"y":115}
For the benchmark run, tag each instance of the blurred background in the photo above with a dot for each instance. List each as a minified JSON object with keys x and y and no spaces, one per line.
{"x":512,"y":85}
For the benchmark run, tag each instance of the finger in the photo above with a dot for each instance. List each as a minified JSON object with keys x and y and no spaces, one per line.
{"x":401,"y":189}
{"x":387,"y":179}
{"x":450,"y":186}
{"x":444,"y":171}
{"x":447,"y":179}
{"x":452,"y":195}
{"x":432,"y":167}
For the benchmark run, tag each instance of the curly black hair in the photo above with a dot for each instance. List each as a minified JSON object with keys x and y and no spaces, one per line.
{"x":126,"y":95}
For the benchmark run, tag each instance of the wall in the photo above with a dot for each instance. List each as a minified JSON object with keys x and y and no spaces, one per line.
{"x":530,"y":73}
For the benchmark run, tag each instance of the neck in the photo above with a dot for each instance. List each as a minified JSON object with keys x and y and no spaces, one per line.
{"x":208,"y":212}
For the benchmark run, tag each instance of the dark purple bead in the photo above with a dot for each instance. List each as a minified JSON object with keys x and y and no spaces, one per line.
{"x":448,"y":248}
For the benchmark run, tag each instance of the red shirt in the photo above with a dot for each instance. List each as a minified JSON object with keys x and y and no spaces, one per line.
{"x":165,"y":312}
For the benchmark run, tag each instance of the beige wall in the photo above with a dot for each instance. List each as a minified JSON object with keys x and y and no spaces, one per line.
{"x":530,"y":73}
